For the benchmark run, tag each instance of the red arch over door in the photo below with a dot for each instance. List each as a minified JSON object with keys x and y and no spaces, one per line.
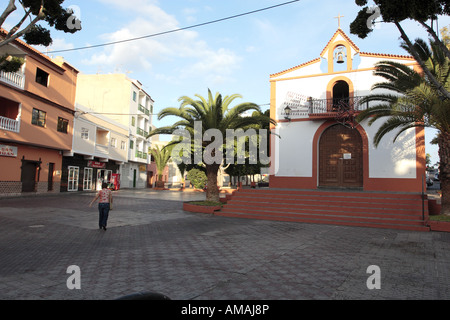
{"x":365,"y":153}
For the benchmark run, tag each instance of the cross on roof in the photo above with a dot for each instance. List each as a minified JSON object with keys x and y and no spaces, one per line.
{"x":339,"y":20}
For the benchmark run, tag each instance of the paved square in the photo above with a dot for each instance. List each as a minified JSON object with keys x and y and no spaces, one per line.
{"x":153,"y":245}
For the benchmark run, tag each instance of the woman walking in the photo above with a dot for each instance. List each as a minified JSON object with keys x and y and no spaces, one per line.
{"x":104,"y":205}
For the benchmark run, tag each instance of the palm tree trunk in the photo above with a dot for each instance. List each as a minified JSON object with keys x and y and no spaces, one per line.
{"x":212,"y":192}
{"x":444,"y":170}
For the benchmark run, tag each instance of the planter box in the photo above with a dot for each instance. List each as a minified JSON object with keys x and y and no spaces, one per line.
{"x":440,"y":226}
{"x":200,"y":209}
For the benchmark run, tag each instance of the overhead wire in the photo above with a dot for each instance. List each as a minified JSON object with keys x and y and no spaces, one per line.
{"x":130,"y":114}
{"x":176,"y":30}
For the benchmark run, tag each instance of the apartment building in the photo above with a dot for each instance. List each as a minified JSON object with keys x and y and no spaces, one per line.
{"x":125,"y":101}
{"x":36,"y":121}
{"x":99,"y":148}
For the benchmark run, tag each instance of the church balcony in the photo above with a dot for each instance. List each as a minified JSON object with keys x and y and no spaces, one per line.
{"x":335,"y":107}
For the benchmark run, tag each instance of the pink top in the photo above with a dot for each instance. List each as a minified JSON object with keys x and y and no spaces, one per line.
{"x":104,"y":195}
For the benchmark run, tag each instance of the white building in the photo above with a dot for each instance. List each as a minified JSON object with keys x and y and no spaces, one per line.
{"x":99,"y":148}
{"x":124,"y":100}
{"x":321,"y":145}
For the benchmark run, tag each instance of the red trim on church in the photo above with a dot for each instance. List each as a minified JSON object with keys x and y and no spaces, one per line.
{"x":369,"y":184}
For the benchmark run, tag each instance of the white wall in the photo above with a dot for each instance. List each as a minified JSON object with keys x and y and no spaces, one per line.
{"x":80,"y":145}
{"x":293,"y":152}
{"x":389,"y":159}
{"x":293,"y":148}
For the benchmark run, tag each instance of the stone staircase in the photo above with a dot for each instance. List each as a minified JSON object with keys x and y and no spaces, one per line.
{"x":351,"y":208}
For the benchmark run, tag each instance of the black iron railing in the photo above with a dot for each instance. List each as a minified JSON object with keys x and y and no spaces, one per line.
{"x":336,"y":105}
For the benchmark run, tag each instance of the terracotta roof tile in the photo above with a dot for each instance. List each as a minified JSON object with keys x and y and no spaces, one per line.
{"x":386,"y":55}
{"x":296,"y":67}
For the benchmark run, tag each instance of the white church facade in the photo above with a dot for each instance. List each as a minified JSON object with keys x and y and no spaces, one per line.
{"x":318,"y":144}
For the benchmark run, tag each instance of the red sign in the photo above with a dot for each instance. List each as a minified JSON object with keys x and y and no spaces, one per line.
{"x":97,"y":164}
{"x":8,"y":151}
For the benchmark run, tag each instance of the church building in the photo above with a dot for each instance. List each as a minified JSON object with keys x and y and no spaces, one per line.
{"x":320,"y":145}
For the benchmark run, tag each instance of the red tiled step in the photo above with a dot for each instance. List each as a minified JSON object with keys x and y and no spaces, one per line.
{"x":354,"y":223}
{"x":345,"y":205}
{"x":369,"y":209}
{"x":327,"y":210}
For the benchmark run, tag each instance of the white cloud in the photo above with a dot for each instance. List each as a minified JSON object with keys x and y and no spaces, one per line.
{"x":186,"y":47}
{"x":217,"y":66}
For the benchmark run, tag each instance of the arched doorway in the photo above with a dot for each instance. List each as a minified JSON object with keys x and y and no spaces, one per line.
{"x":341,"y":158}
{"x":341,"y":94}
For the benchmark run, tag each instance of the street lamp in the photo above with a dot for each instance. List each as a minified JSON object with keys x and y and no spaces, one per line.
{"x":287,"y":113}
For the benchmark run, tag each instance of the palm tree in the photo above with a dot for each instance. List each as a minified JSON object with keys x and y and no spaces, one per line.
{"x":161,"y":157}
{"x":214,"y":112}
{"x":413,"y":101}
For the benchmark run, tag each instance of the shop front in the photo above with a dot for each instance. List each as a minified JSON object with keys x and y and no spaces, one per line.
{"x":79,"y":174}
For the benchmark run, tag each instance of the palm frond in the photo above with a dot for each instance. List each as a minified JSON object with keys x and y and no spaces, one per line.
{"x":390,"y":125}
{"x":407,"y":98}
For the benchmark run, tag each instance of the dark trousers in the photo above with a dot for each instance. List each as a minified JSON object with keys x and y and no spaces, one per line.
{"x":103,"y":210}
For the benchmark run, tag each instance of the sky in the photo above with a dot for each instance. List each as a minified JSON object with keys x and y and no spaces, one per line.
{"x":232,"y":56}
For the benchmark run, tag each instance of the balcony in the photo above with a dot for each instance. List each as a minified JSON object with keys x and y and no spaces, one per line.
{"x":101,"y":149}
{"x":143,"y":109}
{"x":141,"y":132}
{"x":9,"y":124}
{"x":14,"y":79}
{"x":336,"y":107}
{"x":141,"y":155}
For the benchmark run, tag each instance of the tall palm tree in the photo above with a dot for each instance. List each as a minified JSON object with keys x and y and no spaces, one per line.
{"x":214,"y":112}
{"x":161,"y":157}
{"x":413,"y":101}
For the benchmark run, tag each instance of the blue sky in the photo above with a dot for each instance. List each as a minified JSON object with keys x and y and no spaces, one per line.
{"x":234,"y":56}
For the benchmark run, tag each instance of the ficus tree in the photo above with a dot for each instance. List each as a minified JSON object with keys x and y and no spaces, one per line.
{"x":36,"y":16}
{"x":397,"y":11}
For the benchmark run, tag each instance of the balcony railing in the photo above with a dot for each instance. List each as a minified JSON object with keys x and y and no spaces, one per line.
{"x":13,"y":78}
{"x":9,"y":124}
{"x":143,"y":109}
{"x":336,"y":105}
{"x":141,"y":155}
{"x":141,"y":132}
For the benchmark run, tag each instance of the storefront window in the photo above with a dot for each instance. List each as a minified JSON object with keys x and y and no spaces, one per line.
{"x":87,"y":180}
{"x":74,"y":173}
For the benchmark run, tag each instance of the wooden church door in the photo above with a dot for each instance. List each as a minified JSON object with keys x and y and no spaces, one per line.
{"x":340,"y":158}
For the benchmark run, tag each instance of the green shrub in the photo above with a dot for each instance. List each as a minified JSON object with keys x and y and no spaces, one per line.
{"x":198,"y":178}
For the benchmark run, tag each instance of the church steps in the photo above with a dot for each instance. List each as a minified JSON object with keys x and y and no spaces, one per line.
{"x":329,"y":210}
{"x":380,"y":210}
{"x":326,"y":192}
{"x":320,"y":218}
{"x":343,"y":204}
{"x":354,"y":223}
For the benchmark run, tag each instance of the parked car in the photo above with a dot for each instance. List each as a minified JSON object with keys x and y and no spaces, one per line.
{"x":436,"y":176}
